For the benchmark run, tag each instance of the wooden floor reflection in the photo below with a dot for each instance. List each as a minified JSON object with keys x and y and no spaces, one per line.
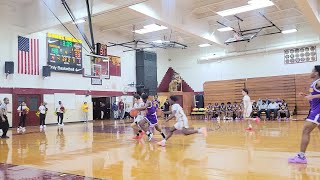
{"x":104,"y":149}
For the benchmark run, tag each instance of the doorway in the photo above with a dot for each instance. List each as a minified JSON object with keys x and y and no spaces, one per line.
{"x":33,"y":102}
{"x":101,"y":108}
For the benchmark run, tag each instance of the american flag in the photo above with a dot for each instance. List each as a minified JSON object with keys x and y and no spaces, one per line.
{"x":28,"y":56}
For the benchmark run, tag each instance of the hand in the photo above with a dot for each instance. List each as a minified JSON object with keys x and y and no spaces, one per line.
{"x":302,"y":94}
{"x":309,"y":97}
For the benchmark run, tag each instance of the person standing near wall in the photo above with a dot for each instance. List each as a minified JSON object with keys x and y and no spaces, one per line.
{"x":60,"y":111}
{"x":43,"y":111}
{"x":166,"y":108}
{"x":121,"y":109}
{"x":4,"y":123}
{"x":23,"y":110}
{"x":102,"y":109}
{"x":85,"y":110}
{"x":115,"y":110}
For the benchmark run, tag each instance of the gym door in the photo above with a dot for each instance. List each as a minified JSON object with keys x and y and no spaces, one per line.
{"x":33,"y":103}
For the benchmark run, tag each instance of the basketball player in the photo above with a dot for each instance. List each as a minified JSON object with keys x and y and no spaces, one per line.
{"x":209,"y":111}
{"x":247,"y":107}
{"x":137,"y":130}
{"x":216,"y":111}
{"x":182,"y":122}
{"x":223,"y":111}
{"x":150,"y":118}
{"x":235,"y":109}
{"x":313,"y":119}
{"x":229,"y":111}
{"x":283,"y":110}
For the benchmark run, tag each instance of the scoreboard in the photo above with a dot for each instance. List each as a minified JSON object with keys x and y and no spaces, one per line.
{"x":64,"y":54}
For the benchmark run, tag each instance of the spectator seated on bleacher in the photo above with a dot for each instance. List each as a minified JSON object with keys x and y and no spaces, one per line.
{"x":209,"y":111}
{"x":216,"y":110}
{"x":229,"y":111}
{"x":272,"y":108}
{"x":283,"y":111}
{"x":255,"y":110}
{"x":263,"y":109}
{"x":223,"y":111}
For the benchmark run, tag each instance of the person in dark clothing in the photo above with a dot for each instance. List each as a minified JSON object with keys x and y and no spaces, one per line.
{"x":4,"y":124}
{"x":166,"y":108}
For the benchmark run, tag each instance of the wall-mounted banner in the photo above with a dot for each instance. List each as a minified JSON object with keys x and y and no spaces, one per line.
{"x":300,"y":55}
{"x":64,"y":54}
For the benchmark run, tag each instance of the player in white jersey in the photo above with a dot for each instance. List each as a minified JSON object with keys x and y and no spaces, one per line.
{"x":135,"y":125}
{"x":247,"y":108}
{"x":182,"y":121}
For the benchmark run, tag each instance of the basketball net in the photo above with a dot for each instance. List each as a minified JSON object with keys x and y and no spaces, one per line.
{"x":237,"y":36}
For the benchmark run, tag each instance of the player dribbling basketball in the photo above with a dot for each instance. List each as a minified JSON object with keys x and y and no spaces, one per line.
{"x":182,"y":121}
{"x":137,"y":130}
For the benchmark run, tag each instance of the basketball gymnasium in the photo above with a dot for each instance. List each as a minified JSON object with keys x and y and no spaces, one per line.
{"x":159,"y":89}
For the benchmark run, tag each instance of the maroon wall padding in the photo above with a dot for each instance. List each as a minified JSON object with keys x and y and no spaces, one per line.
{"x":164,"y":85}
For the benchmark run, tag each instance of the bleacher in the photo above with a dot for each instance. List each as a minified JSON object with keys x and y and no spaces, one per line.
{"x":284,"y":87}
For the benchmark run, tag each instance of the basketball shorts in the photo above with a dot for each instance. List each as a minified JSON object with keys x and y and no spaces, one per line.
{"x":152,"y":120}
{"x":314,"y":117}
{"x":247,"y":113}
{"x":138,"y":118}
{"x":181,"y":123}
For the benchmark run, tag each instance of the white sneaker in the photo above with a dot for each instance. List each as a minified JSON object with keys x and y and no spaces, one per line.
{"x":18,"y":129}
{"x":44,"y":126}
{"x":23,"y":129}
{"x":62,"y":124}
{"x":150,"y":136}
{"x":162,"y":143}
{"x":41,"y":127}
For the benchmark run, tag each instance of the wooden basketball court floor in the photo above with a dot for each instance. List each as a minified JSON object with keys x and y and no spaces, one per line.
{"x":105,"y":150}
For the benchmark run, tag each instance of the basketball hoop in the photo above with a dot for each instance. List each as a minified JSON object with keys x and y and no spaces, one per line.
{"x":236,"y":36}
{"x":100,"y":67}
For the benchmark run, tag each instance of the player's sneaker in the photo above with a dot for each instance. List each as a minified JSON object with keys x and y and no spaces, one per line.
{"x":162,"y":143}
{"x":150,"y":136}
{"x":298,"y":159}
{"x":203,"y":131}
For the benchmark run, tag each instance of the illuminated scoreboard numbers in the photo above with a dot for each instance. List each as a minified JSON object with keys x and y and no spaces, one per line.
{"x":66,"y":43}
{"x":101,"y":49}
{"x":55,"y":51}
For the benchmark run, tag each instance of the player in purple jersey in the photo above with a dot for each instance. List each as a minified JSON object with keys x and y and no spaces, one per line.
{"x":150,"y":118}
{"x":313,"y":119}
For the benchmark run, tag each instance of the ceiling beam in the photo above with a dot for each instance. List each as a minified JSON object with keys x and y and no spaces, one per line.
{"x":309,"y":9}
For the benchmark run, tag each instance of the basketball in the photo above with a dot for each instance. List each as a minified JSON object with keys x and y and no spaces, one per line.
{"x":134,"y":113}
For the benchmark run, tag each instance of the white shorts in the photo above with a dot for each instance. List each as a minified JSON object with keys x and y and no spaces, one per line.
{"x":138,"y":118}
{"x":247,"y":113}
{"x":181,"y":123}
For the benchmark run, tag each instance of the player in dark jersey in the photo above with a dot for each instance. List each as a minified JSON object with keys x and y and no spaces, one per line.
{"x":223,"y":111}
{"x":216,"y":110}
{"x":150,"y":118}
{"x":313,"y":119}
{"x":209,"y":111}
{"x":229,"y":111}
{"x":255,"y":110}
{"x":283,"y":110}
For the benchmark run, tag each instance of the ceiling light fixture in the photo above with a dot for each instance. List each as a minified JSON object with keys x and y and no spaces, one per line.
{"x":252,"y":5}
{"x":225,"y":29}
{"x":79,"y":21}
{"x":204,"y":45}
{"x":150,"y":28}
{"x":289,"y":31}
{"x":160,"y":41}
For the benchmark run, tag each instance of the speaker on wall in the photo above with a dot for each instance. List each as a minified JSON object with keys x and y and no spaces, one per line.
{"x":9,"y":67}
{"x":46,"y":72}
{"x":199,"y":101}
